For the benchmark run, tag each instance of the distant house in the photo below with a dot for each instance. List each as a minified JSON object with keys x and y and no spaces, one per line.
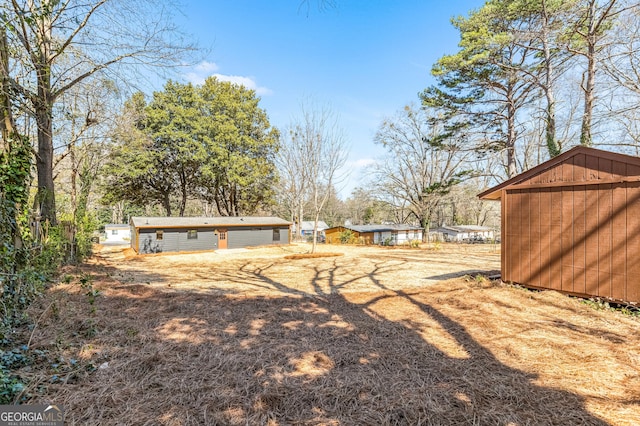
{"x":174,"y":234}
{"x":465,"y":233}
{"x":376,"y":234}
{"x":306,"y":228}
{"x":117,"y":233}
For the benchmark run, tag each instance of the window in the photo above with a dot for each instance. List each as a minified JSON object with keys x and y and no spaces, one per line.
{"x":159,"y":235}
{"x":192,"y":234}
{"x":114,"y":232}
{"x":276,"y":235}
{"x":223,"y":235}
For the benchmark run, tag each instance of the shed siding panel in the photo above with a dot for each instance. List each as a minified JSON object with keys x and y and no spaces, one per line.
{"x":591,"y":229}
{"x":618,"y":169}
{"x":579,"y":239}
{"x":523,"y":243}
{"x":605,"y":168}
{"x":592,"y":167}
{"x":555,"y":268}
{"x":618,"y":249}
{"x":566,"y":236}
{"x":579,"y":168}
{"x":545,"y":237}
{"x":513,"y":235}
{"x":633,"y":242}
{"x":535,"y":237}
{"x":504,"y":226}
{"x":567,"y":170}
{"x":604,"y":239}
{"x":525,"y":238}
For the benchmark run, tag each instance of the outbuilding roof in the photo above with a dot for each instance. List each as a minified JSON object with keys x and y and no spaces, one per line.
{"x":185,"y":222}
{"x":589,"y":164}
{"x":116,"y":226}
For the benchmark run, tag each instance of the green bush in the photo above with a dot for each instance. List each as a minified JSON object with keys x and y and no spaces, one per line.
{"x":10,"y":385}
{"x":347,"y":237}
{"x":389,"y":241}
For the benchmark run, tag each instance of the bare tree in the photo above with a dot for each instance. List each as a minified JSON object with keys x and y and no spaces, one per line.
{"x":421,"y":167}
{"x":85,"y":119}
{"x":589,"y":38}
{"x":621,"y":65}
{"x":320,"y":144}
{"x":55,"y":45}
{"x":293,"y":178}
{"x":544,"y":23}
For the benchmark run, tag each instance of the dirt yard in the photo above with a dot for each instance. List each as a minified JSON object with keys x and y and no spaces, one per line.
{"x":374,"y":336}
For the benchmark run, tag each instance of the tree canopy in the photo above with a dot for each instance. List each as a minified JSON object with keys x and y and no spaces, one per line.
{"x":52,"y":46}
{"x":211,"y":142}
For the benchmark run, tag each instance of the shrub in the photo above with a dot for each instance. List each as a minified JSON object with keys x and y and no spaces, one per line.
{"x":347,"y":237}
{"x":389,"y":241}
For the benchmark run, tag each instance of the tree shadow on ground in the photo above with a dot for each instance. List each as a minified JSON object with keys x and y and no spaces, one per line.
{"x":323,"y":358}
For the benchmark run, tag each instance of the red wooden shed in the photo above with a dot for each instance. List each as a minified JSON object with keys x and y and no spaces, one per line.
{"x":572,"y":224}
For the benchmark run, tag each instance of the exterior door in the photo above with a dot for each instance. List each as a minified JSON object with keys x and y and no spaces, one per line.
{"x":222,"y":239}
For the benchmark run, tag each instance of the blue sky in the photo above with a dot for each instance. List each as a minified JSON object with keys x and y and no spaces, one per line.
{"x":363,"y":59}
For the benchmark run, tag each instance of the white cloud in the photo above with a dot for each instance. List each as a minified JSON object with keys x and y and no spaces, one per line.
{"x":205,"y":69}
{"x":194,"y":78}
{"x":247,"y":82}
{"x":363,"y":162}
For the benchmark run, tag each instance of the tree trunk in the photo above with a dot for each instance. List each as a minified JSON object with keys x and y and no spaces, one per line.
{"x":511,"y":141}
{"x":45,"y":199}
{"x":43,"y":107}
{"x":300,"y":219}
{"x":589,"y":85}
{"x":117,"y":213}
{"x":166,"y":203}
{"x":314,"y":244}
{"x":587,"y":117}
{"x":552,"y":144}
{"x":183,"y":194}
{"x":6,"y":116}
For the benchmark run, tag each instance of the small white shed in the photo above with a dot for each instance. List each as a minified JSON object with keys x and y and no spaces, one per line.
{"x":117,"y":233}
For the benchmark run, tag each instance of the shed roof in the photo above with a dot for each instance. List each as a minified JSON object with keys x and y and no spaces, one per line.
{"x":612,"y":169}
{"x":116,"y":226}
{"x":380,"y":228}
{"x":185,"y":222}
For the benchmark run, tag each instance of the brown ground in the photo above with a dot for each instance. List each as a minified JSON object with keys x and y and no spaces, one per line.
{"x":374,"y":336}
